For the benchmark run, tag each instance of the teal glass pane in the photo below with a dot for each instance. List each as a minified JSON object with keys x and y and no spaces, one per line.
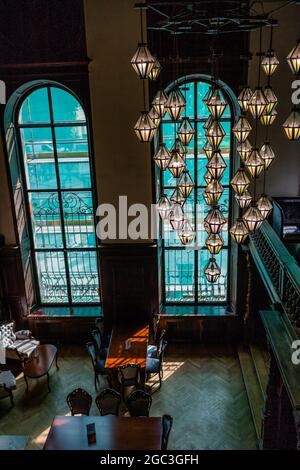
{"x":169,"y":133}
{"x":83,"y":276}
{"x":39,"y":158}
{"x":52,"y":277}
{"x":78,"y":219}
{"x":35,"y":108}
{"x":179,"y":275}
{"x":188,"y":91}
{"x":202,"y":110}
{"x":202,"y":211}
{"x":45,"y":218}
{"x":212,"y":292}
{"x":66,"y":108}
{"x":73,"y":157}
{"x":171,"y":237}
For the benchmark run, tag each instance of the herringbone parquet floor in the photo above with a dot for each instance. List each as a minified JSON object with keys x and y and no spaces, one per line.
{"x":203,"y":390}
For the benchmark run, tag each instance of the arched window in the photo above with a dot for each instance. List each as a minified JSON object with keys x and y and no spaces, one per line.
{"x":183,"y":267}
{"x":50,"y":129}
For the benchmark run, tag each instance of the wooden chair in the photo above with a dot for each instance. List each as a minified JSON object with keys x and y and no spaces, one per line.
{"x":129,"y":376}
{"x":152,"y":349}
{"x":79,"y":402}
{"x":155,"y":366}
{"x":98,"y":364}
{"x":99,"y":324}
{"x":139,"y":403}
{"x":101,"y":351}
{"x":108,"y":402}
{"x":167,"y":423}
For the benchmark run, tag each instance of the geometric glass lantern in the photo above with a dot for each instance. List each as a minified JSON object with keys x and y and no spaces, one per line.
{"x":176,"y":217}
{"x":208,"y":123}
{"x":268,"y":119}
{"x":215,"y":134}
{"x":244,"y":200}
{"x":175,"y":104}
{"x":155,"y":71}
{"x":215,"y":220}
{"x":272,"y":99}
{"x":212,"y":271}
{"x":214,"y":243}
{"x":254,"y":163}
{"x":159,"y":103}
{"x":207,"y":95}
{"x":154,"y":116}
{"x":240,"y":181}
{"x":242,"y":129}
{"x":186,"y":233}
{"x":185,"y":131}
{"x":145,"y":127}
{"x":269,"y":63}
{"x":239,"y":232}
{"x":142,"y":61}
{"x":267,"y":154}
{"x":213,"y":192}
{"x":252,"y":218}
{"x":258,"y":103}
{"x":216,"y":165}
{"x":178,"y":147}
{"x":207,"y":177}
{"x":292,"y":125}
{"x":163,"y":207}
{"x":216,"y":104}
{"x":264,"y":205}
{"x":177,"y":197}
{"x":162,"y":157}
{"x":294,"y":59}
{"x":176,"y":164}
{"x":244,"y":149}
{"x":244,"y":98}
{"x":208,"y":150}
{"x":185,"y":184}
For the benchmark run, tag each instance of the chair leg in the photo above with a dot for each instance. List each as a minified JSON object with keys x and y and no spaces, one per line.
{"x":160,"y":378}
{"x":96,"y":380}
{"x":11,"y":398}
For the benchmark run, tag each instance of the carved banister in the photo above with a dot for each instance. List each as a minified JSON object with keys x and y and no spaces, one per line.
{"x":279,"y":272}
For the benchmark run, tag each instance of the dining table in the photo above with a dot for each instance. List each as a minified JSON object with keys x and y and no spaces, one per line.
{"x":128,"y":345}
{"x":111,"y":433}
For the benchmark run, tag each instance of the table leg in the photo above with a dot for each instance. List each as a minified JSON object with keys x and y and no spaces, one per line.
{"x":143,"y":377}
{"x":48,"y":381}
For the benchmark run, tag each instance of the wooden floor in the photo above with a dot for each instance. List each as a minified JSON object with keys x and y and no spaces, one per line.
{"x":203,"y":390}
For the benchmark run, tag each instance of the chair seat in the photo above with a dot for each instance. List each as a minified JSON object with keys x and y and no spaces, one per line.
{"x":152,"y":365}
{"x":152,"y":351}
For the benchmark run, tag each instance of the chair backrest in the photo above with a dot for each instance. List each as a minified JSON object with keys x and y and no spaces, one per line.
{"x":108,"y":402}
{"x":79,"y":402}
{"x":129,"y":374}
{"x":92,"y":353}
{"x":161,"y":349}
{"x":167,"y":422}
{"x":97,"y":339}
{"x":99,"y":324}
{"x":139,"y":403}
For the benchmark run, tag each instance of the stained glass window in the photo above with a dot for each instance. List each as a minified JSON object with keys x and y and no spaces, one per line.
{"x":57,"y":169}
{"x":183,"y":266}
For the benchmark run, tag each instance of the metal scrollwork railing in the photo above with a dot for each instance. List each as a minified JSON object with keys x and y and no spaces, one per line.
{"x":281,"y":272}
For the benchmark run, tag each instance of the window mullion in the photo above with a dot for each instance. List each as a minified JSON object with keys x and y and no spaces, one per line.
{"x":60,"y":201}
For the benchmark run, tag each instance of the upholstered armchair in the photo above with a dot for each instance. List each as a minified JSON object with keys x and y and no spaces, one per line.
{"x":18,"y":344}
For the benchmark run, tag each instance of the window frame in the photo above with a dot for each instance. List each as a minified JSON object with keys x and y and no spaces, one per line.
{"x":159,"y":184}
{"x":52,"y":125}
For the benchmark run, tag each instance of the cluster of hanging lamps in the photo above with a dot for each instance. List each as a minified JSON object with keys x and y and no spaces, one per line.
{"x":143,"y":64}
